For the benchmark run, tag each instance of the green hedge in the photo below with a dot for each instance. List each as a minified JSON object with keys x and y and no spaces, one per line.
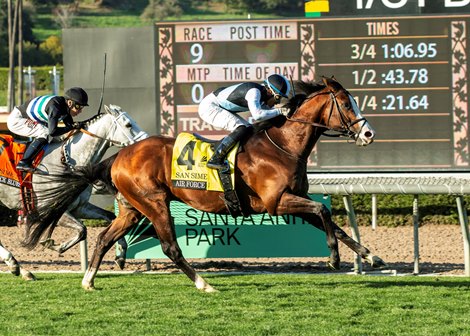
{"x":397,"y":210}
{"x":42,"y":77}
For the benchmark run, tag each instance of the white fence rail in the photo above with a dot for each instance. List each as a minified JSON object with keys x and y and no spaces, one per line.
{"x":347,"y":184}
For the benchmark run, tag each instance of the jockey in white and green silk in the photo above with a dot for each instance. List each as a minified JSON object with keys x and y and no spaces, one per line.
{"x":39,"y":119}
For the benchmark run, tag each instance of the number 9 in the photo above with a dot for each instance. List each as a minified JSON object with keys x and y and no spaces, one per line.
{"x":196,"y":52}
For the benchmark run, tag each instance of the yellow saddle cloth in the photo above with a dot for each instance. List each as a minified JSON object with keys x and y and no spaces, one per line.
{"x":188,"y":164}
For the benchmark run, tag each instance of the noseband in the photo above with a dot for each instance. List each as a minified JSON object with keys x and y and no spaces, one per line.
{"x":346,"y":124}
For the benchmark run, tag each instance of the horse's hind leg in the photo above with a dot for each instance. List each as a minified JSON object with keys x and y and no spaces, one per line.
{"x":158,"y":213}
{"x":88,"y":210}
{"x":106,"y":239}
{"x":69,"y":222}
{"x":13,"y":264}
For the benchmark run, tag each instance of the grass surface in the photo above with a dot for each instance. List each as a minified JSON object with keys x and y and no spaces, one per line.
{"x":281,"y":304}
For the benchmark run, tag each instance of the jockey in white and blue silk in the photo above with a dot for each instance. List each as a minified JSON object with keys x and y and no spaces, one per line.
{"x":221,"y":107}
{"x":39,"y":119}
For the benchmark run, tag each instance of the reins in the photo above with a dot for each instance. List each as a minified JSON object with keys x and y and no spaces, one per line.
{"x":98,"y":137}
{"x":345,"y":131}
{"x":282,"y":149}
{"x":65,"y":159}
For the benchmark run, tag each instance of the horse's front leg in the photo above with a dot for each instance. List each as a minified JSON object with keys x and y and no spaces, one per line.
{"x":13,"y":264}
{"x":158,"y":212}
{"x":375,"y":261}
{"x":316,"y":214}
{"x":69,"y":222}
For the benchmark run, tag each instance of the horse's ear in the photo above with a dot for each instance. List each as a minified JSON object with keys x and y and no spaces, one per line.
{"x":332,"y":83}
{"x":328,"y":81}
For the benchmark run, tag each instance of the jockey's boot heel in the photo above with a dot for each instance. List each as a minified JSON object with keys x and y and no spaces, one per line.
{"x":26,"y":163}
{"x":218,"y":161}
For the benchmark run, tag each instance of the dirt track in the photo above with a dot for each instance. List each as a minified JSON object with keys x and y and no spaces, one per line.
{"x":441,"y":251}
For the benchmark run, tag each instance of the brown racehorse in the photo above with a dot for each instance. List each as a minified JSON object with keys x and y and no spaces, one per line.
{"x":270,"y":177}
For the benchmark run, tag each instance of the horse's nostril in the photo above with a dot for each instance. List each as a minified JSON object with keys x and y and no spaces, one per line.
{"x":368,"y":134}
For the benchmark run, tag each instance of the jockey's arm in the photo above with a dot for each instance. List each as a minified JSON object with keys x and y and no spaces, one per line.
{"x":56,"y":116}
{"x":258,"y":111}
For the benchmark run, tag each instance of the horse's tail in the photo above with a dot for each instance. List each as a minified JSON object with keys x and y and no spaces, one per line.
{"x":55,"y":201}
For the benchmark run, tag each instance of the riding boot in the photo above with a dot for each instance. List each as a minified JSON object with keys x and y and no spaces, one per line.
{"x":26,"y":163}
{"x":217,"y":161}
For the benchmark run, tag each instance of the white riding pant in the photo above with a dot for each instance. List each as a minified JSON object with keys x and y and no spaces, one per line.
{"x":26,"y":127}
{"x":210,"y":111}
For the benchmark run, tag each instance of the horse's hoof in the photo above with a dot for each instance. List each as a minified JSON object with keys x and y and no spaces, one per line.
{"x":88,"y":288}
{"x":377,"y":263}
{"x":202,"y":285}
{"x":120,"y":262}
{"x":333,"y":267}
{"x":28,"y":276}
{"x":208,"y":289}
{"x":13,"y":266}
{"x":47,"y":243}
{"x":15,"y":270}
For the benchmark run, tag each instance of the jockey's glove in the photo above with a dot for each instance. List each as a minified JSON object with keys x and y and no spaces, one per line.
{"x":284,"y":111}
{"x":77,"y":125}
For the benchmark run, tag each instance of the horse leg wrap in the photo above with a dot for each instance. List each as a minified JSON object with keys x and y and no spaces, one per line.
{"x":230,"y":196}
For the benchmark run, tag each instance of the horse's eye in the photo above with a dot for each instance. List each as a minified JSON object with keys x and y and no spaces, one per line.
{"x":347,"y":105}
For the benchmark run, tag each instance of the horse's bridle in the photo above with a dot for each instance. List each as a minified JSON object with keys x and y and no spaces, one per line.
{"x":139,"y":136}
{"x":346,"y":124}
{"x":65,"y":157}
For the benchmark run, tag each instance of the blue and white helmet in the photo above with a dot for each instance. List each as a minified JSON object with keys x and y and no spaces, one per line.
{"x":278,"y":84}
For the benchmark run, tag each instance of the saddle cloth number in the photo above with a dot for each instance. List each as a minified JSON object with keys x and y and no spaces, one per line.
{"x":188,"y":164}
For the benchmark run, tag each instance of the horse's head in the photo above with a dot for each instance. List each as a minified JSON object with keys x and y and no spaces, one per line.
{"x":338,"y":112}
{"x":125,"y":130}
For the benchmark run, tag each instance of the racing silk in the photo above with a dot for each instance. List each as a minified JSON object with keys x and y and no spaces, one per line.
{"x":246,"y":96}
{"x":48,"y":110}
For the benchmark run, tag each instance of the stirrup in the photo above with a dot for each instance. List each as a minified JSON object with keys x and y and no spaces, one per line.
{"x":218,"y":165}
{"x":221,"y":164}
{"x":24,"y":167}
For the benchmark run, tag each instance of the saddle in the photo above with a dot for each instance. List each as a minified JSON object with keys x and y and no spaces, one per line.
{"x":188,"y":169}
{"x":11,"y":152}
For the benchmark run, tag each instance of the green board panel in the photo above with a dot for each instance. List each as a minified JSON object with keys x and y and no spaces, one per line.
{"x":205,"y":235}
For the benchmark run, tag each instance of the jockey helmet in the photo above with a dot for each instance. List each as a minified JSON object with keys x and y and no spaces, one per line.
{"x":279,"y":85}
{"x":78,"y":95}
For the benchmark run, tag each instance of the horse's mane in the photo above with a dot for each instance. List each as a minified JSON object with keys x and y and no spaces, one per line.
{"x":302,"y":91}
{"x":94,"y":118}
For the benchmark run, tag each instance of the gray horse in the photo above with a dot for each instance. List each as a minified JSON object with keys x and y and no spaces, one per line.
{"x":113,"y":127}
